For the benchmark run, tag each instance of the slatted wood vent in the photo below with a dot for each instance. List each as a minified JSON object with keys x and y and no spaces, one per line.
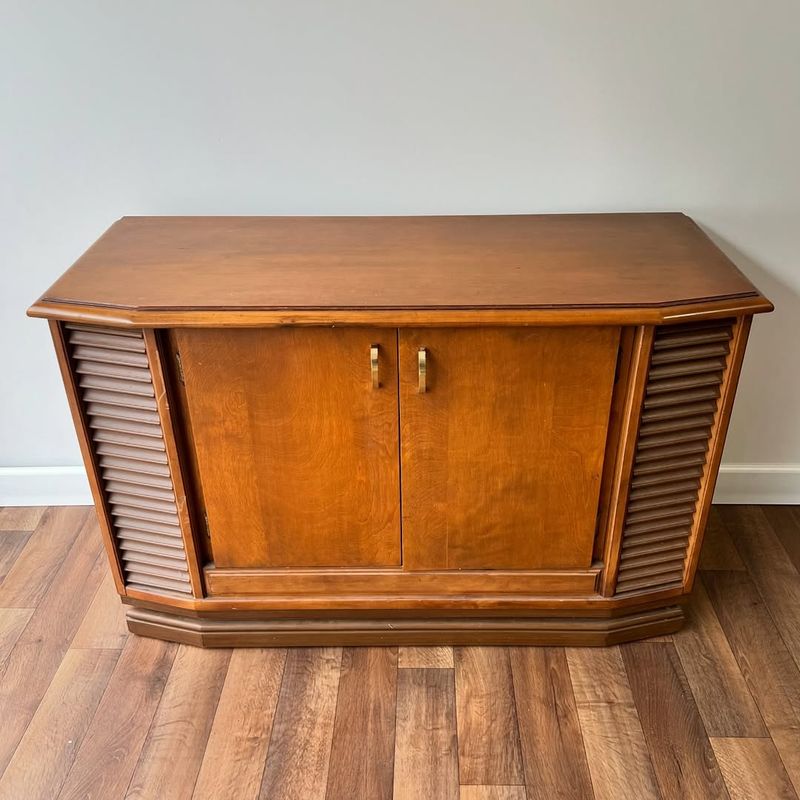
{"x":118,"y":402}
{"x":687,"y":367}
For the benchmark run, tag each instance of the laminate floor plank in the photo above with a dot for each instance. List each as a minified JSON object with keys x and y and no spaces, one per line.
{"x":426,"y":750}
{"x":20,"y":518}
{"x":38,"y":651}
{"x":718,"y":550}
{"x":553,"y":752}
{"x":12,"y":623}
{"x":765,"y":662}
{"x":425,"y":657}
{"x":752,"y":769}
{"x":682,"y":756}
{"x":719,"y":689}
{"x":302,"y":732}
{"x":89,"y":711}
{"x":173,"y":751}
{"x":104,"y":625}
{"x":785,"y":521}
{"x":110,"y":750}
{"x":474,"y":792}
{"x":772,"y":570}
{"x":619,"y":761}
{"x":236,"y":751}
{"x":12,"y":543}
{"x":35,"y":568}
{"x":488,"y":735}
{"x":45,"y":753}
{"x":361,"y":762}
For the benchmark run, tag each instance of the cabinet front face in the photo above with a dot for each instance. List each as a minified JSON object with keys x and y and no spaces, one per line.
{"x":502,"y":440}
{"x":296,"y":438}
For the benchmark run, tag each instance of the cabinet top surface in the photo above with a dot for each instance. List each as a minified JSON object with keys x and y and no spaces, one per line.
{"x":575,"y":261}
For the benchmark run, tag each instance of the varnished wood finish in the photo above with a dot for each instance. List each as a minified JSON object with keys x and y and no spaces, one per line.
{"x":622,"y":449}
{"x":91,"y":711}
{"x":393,"y":429}
{"x":291,"y":420}
{"x":389,"y":585}
{"x":687,"y":377}
{"x":425,"y":630}
{"x":502,"y":455}
{"x":582,"y":260}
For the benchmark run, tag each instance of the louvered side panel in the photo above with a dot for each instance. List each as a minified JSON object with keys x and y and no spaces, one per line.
{"x":117,"y":399}
{"x":686,"y":373}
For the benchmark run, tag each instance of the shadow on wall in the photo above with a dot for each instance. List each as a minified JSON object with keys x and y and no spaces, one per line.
{"x":767,"y":380}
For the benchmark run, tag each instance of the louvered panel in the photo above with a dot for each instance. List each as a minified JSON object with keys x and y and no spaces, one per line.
{"x":122,"y":412}
{"x":126,"y":425}
{"x":142,"y":548}
{"x":92,"y":381}
{"x":128,"y":465}
{"x":110,"y":446}
{"x":127,"y":402}
{"x":687,"y":369}
{"x":118,"y":400}
{"x":664,"y":487}
{"x":134,"y":489}
{"x":141,"y":501}
{"x":677,"y":411}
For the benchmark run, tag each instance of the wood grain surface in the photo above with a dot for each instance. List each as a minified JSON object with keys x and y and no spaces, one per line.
{"x":291,"y":419}
{"x":502,"y":454}
{"x":400,"y":262}
{"x":92,"y":711}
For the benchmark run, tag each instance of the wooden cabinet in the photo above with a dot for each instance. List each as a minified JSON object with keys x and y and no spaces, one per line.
{"x":417,"y":430}
{"x":502,"y":453}
{"x":296,"y":449}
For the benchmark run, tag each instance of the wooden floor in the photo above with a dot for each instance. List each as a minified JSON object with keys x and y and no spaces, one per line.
{"x":88,"y":711}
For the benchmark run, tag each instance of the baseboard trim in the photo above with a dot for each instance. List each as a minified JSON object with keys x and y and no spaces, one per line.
{"x":770,"y":484}
{"x":763,"y":484}
{"x":44,"y":486}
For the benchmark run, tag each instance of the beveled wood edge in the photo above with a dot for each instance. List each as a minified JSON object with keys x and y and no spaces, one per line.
{"x":173,"y":461}
{"x":375,"y":582}
{"x":619,"y":397}
{"x":320,"y":604}
{"x":626,"y":450}
{"x":367,"y":631}
{"x":92,"y":472}
{"x":709,"y":308}
{"x":718,"y":434}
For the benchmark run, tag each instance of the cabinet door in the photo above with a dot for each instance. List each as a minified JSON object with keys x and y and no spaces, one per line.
{"x":502,"y":453}
{"x":297,"y":449}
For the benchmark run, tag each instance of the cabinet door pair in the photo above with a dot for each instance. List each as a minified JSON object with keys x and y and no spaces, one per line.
{"x":447,"y":448}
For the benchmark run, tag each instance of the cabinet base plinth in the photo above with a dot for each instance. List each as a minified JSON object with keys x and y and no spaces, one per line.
{"x":579,"y":631}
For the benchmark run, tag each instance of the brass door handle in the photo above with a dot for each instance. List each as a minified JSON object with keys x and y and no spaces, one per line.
{"x":422,"y":370}
{"x":373,"y":366}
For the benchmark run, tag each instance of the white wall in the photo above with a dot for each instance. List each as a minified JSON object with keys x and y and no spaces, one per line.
{"x":404,"y":107}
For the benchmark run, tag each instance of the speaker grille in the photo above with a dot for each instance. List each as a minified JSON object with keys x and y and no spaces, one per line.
{"x":687,"y":367}
{"x":116,"y":392}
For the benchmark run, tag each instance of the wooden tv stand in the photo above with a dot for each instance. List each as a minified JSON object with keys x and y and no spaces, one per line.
{"x":417,"y":430}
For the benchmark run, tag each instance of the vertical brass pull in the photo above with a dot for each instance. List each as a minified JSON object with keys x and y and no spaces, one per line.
{"x":373,"y":366}
{"x":422,"y":370}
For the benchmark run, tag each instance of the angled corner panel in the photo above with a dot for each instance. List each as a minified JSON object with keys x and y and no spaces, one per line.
{"x":121,"y":403}
{"x":673,"y":460}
